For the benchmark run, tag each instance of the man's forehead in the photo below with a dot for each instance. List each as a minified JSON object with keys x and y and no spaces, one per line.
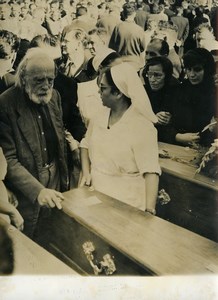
{"x":40,"y":66}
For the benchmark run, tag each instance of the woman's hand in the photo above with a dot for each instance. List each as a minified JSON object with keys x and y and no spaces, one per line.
{"x":188,"y":138}
{"x":86,"y":180}
{"x":164,"y":117}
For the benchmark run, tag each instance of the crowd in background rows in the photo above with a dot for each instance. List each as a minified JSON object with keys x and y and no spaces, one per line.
{"x":79,"y":35}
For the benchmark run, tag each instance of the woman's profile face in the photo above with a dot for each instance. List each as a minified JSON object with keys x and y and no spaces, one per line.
{"x":105,"y":91}
{"x":156,"y":77}
{"x":195,"y":74}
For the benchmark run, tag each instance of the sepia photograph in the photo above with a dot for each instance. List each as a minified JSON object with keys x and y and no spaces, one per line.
{"x":109,"y":149}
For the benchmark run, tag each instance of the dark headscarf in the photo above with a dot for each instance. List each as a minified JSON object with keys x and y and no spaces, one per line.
{"x":166,"y":64}
{"x":203,"y":57}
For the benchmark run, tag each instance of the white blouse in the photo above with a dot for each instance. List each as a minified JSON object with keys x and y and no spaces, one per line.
{"x":121,"y":155}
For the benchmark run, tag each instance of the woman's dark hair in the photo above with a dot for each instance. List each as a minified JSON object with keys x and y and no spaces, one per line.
{"x":8,"y":38}
{"x":105,"y":63}
{"x":107,"y":73}
{"x":109,"y":59}
{"x":199,"y":11}
{"x":166,"y":64}
{"x":200,"y":56}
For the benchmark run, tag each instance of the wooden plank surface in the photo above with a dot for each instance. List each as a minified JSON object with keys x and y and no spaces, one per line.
{"x":182,"y":169}
{"x":163,"y":247}
{"x":31,"y":259}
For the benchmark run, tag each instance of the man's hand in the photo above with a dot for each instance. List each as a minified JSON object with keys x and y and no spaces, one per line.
{"x":50,"y":198}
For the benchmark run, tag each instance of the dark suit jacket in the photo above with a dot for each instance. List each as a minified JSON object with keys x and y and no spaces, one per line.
{"x":6,"y":81}
{"x":67,"y":87}
{"x":183,"y":26}
{"x":21,"y":145}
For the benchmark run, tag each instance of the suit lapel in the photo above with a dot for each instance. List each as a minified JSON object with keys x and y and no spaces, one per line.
{"x":27,"y":126}
{"x":56,"y":120}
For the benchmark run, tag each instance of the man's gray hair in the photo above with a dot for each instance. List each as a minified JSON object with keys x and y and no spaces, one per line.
{"x":21,"y":69}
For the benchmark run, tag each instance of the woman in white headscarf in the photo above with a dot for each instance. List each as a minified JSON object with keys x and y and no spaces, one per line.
{"x":119,"y":153}
{"x":89,"y":101}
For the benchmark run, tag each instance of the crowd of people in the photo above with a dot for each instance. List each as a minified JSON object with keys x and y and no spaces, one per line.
{"x":88,"y":88}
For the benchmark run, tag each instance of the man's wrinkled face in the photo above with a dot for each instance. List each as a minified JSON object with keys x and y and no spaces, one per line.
{"x":71,"y":45}
{"x":73,"y":48}
{"x":38,"y":81}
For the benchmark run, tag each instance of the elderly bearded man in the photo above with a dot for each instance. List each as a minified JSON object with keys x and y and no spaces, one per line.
{"x":33,"y":141}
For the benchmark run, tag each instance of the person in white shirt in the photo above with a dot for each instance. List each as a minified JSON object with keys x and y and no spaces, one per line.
{"x":119,"y":153}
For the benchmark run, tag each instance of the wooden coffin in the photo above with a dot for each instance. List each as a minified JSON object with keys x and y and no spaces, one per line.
{"x":137,"y":242}
{"x":31,"y":259}
{"x":194,"y":201}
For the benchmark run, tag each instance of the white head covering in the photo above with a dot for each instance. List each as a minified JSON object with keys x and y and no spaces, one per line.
{"x":128,"y":82}
{"x":101,"y":54}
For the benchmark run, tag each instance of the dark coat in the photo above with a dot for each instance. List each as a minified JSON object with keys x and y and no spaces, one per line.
{"x":20,"y":142}
{"x":161,"y":101}
{"x":67,"y":87}
{"x":192,"y":108}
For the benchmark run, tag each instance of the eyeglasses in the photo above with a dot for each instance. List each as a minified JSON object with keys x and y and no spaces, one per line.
{"x":156,"y":75}
{"x":195,"y":69}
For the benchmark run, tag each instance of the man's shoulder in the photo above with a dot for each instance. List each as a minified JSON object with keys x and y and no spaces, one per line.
{"x":180,"y":19}
{"x":125,"y":25}
{"x":10,"y":96}
{"x":56,"y":98}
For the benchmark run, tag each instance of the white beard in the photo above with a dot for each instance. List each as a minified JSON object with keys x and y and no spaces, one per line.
{"x":38,"y":99}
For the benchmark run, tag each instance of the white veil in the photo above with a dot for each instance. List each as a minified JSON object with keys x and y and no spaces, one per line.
{"x":128,"y":82}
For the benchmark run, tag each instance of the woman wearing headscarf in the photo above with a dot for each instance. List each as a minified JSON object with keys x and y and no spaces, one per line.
{"x":159,"y":85}
{"x":89,"y":101}
{"x":119,"y":153}
{"x":194,"y":103}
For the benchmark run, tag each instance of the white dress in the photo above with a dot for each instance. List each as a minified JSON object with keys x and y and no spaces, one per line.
{"x":121,"y":155}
